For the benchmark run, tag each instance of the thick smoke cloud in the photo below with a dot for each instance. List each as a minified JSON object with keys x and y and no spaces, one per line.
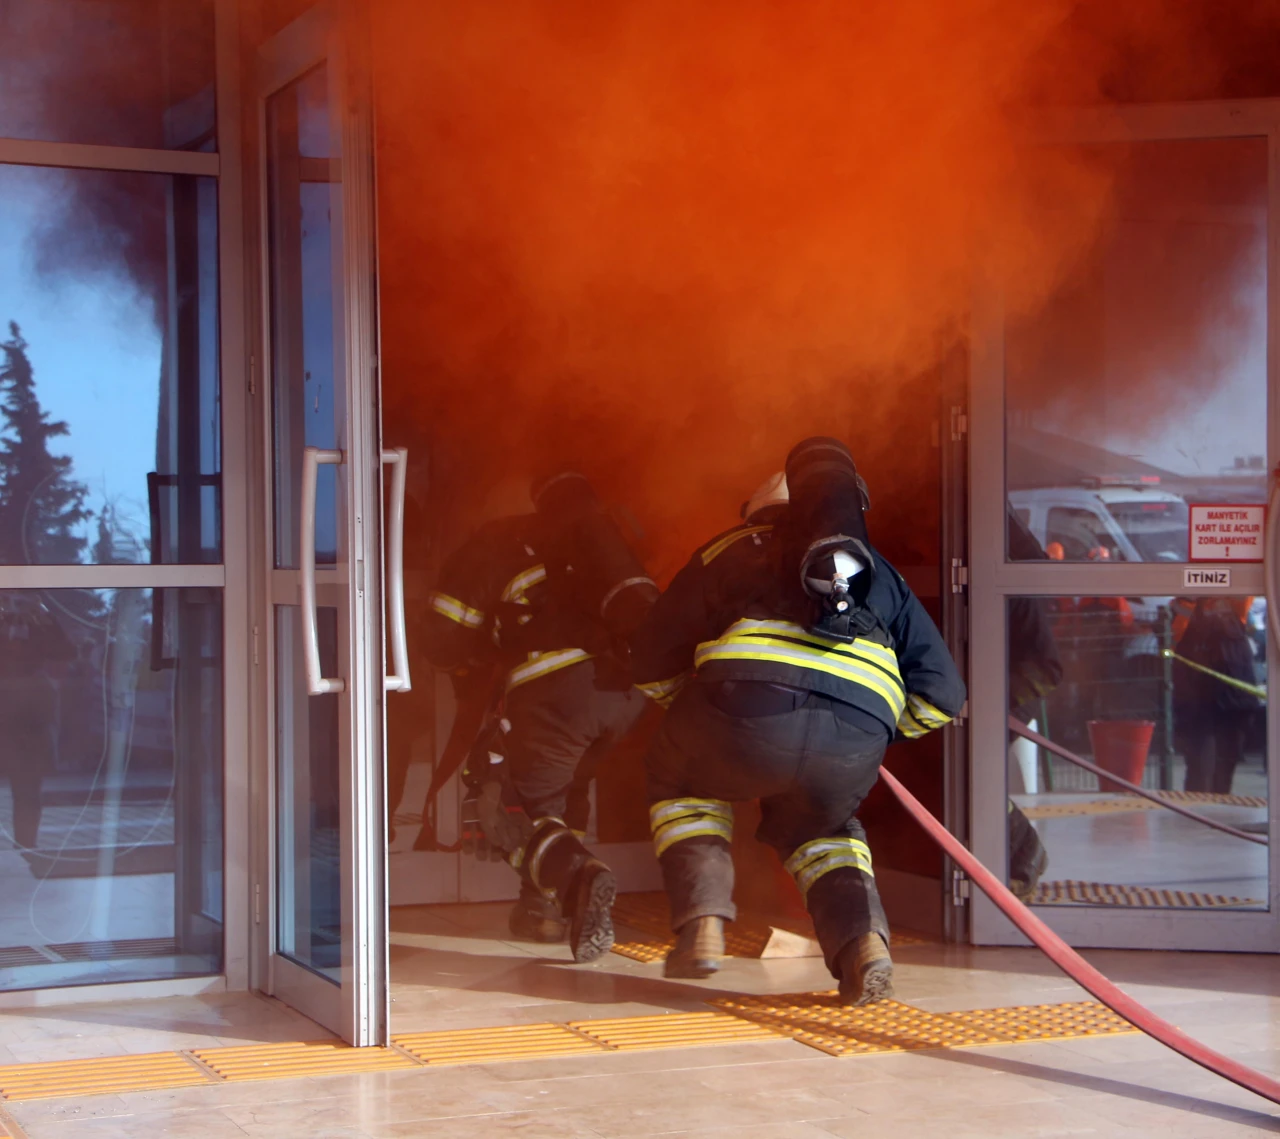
{"x":670,"y":238}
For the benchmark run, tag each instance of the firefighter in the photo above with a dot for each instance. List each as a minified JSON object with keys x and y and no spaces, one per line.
{"x":790,"y":655}
{"x":552,"y":595}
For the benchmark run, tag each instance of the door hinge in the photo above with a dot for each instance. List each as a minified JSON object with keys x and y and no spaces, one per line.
{"x":255,"y":646}
{"x":959,"y":424}
{"x":959,"y":575}
{"x":257,"y":903}
{"x":253,"y":374}
{"x":959,"y":888}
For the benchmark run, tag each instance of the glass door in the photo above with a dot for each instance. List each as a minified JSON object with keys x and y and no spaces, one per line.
{"x":1123,"y":435}
{"x":324,"y":628}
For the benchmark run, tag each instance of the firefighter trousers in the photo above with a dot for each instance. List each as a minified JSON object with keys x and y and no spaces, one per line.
{"x":810,"y":760}
{"x":562,"y":727}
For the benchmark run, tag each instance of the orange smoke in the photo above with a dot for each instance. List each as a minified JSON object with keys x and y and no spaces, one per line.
{"x":667,"y":239}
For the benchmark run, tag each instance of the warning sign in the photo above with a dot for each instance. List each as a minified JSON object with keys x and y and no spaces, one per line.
{"x":1221,"y":532}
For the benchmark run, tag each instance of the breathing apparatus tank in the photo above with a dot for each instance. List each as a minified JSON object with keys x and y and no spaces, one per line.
{"x":591,"y":569}
{"x":824,"y":538}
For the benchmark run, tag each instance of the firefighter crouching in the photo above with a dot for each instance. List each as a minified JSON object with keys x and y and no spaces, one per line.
{"x":553,"y":595}
{"x":790,"y":653}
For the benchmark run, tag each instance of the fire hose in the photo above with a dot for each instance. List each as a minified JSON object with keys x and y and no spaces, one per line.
{"x":1075,"y":966}
{"x":1019,"y":728}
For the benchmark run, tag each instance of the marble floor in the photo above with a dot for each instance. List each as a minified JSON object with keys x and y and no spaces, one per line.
{"x":453,"y":966}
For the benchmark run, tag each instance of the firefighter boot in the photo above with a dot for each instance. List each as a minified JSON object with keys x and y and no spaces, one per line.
{"x":537,"y":917}
{"x":866,"y":970}
{"x":591,"y":911}
{"x":698,"y":949}
{"x":1028,"y":858}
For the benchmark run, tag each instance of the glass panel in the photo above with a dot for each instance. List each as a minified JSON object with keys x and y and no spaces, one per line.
{"x":113,"y":72}
{"x":1141,"y":386}
{"x":1166,"y":693}
{"x":110,"y":785}
{"x":110,"y":446}
{"x":307,"y":742}
{"x":307,"y":305}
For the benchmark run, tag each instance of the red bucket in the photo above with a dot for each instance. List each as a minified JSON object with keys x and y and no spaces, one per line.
{"x":1121,"y":747}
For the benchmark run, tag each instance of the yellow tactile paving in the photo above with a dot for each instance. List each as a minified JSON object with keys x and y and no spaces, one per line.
{"x":307,"y":1058}
{"x":1025,"y":1023}
{"x":650,"y":915}
{"x":673,"y":1030}
{"x":100,"y":1076}
{"x":1109,"y":894}
{"x":486,"y":1045}
{"x":1134,"y":803}
{"x":817,"y":1019}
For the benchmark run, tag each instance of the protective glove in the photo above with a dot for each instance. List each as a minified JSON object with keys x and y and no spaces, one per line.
{"x":506,"y":828}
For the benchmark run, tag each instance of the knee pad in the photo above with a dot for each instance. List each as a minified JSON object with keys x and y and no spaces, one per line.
{"x":815,"y":859}
{"x":674,"y":820}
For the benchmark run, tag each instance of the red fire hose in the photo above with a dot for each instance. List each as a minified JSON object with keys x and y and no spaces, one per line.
{"x":1075,"y":966}
{"x":1019,"y":728}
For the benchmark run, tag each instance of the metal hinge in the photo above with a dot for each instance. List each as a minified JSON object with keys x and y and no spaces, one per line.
{"x":959,"y":888}
{"x":959,"y":424}
{"x":255,"y":646}
{"x":257,"y":903}
{"x":253,"y":374}
{"x":959,"y":575}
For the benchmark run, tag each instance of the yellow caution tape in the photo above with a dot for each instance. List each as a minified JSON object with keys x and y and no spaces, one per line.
{"x":1257,"y":690}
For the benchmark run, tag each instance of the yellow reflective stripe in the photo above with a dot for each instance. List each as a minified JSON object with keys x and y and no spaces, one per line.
{"x":839,"y":665}
{"x":456,"y":610}
{"x":675,"y":820}
{"x":670,"y":809}
{"x":516,"y":587}
{"x":910,"y":727}
{"x":540,"y":664}
{"x":870,"y":649}
{"x":926,"y":713}
{"x":713,"y":551}
{"x":662,"y":692}
{"x":818,"y":858}
{"x":666,"y":837}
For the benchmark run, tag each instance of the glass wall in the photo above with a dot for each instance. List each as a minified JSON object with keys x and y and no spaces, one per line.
{"x":1139,"y":389}
{"x":112,"y":650}
{"x":1167,"y":693}
{"x":110,"y":785}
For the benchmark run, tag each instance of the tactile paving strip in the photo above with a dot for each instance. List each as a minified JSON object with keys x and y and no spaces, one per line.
{"x":674,"y":1030}
{"x":485,"y":1045}
{"x":99,"y":1076}
{"x":307,"y":1058}
{"x":818,"y":1020}
{"x":1047,"y":1022}
{"x":1124,"y":803}
{"x":1106,"y":894}
{"x":650,"y":915}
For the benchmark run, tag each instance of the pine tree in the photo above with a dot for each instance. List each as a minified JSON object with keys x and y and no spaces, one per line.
{"x":42,"y":508}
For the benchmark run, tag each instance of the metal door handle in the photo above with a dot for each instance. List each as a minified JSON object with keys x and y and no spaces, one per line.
{"x":398,"y":679}
{"x":317,"y":684}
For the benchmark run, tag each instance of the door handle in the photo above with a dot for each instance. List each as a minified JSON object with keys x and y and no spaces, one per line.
{"x":398,"y":679}
{"x":317,"y":684}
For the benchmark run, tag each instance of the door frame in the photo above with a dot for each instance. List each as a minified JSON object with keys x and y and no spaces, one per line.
{"x":358,"y":1009}
{"x":993,"y":579}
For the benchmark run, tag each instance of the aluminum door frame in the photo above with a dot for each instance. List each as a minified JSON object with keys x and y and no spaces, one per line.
{"x":993,"y":579}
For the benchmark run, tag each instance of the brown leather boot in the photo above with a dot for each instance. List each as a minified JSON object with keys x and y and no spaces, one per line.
{"x":866,"y":971}
{"x":698,"y":950}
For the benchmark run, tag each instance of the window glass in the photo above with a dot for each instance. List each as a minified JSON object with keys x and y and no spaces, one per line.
{"x":111,"y":72}
{"x":110,"y":439}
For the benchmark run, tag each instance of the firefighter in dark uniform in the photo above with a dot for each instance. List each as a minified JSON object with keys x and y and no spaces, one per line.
{"x":553,"y":595}
{"x":790,"y":655}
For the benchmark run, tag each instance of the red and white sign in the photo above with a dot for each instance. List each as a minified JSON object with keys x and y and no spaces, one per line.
{"x":1221,"y":532}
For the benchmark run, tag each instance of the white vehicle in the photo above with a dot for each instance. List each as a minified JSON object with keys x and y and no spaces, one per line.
{"x":1115,"y":523}
{"x":1136,"y":523}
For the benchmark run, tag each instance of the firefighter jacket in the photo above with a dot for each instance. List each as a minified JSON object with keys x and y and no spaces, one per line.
{"x":719,"y":620}
{"x":493,"y":605}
